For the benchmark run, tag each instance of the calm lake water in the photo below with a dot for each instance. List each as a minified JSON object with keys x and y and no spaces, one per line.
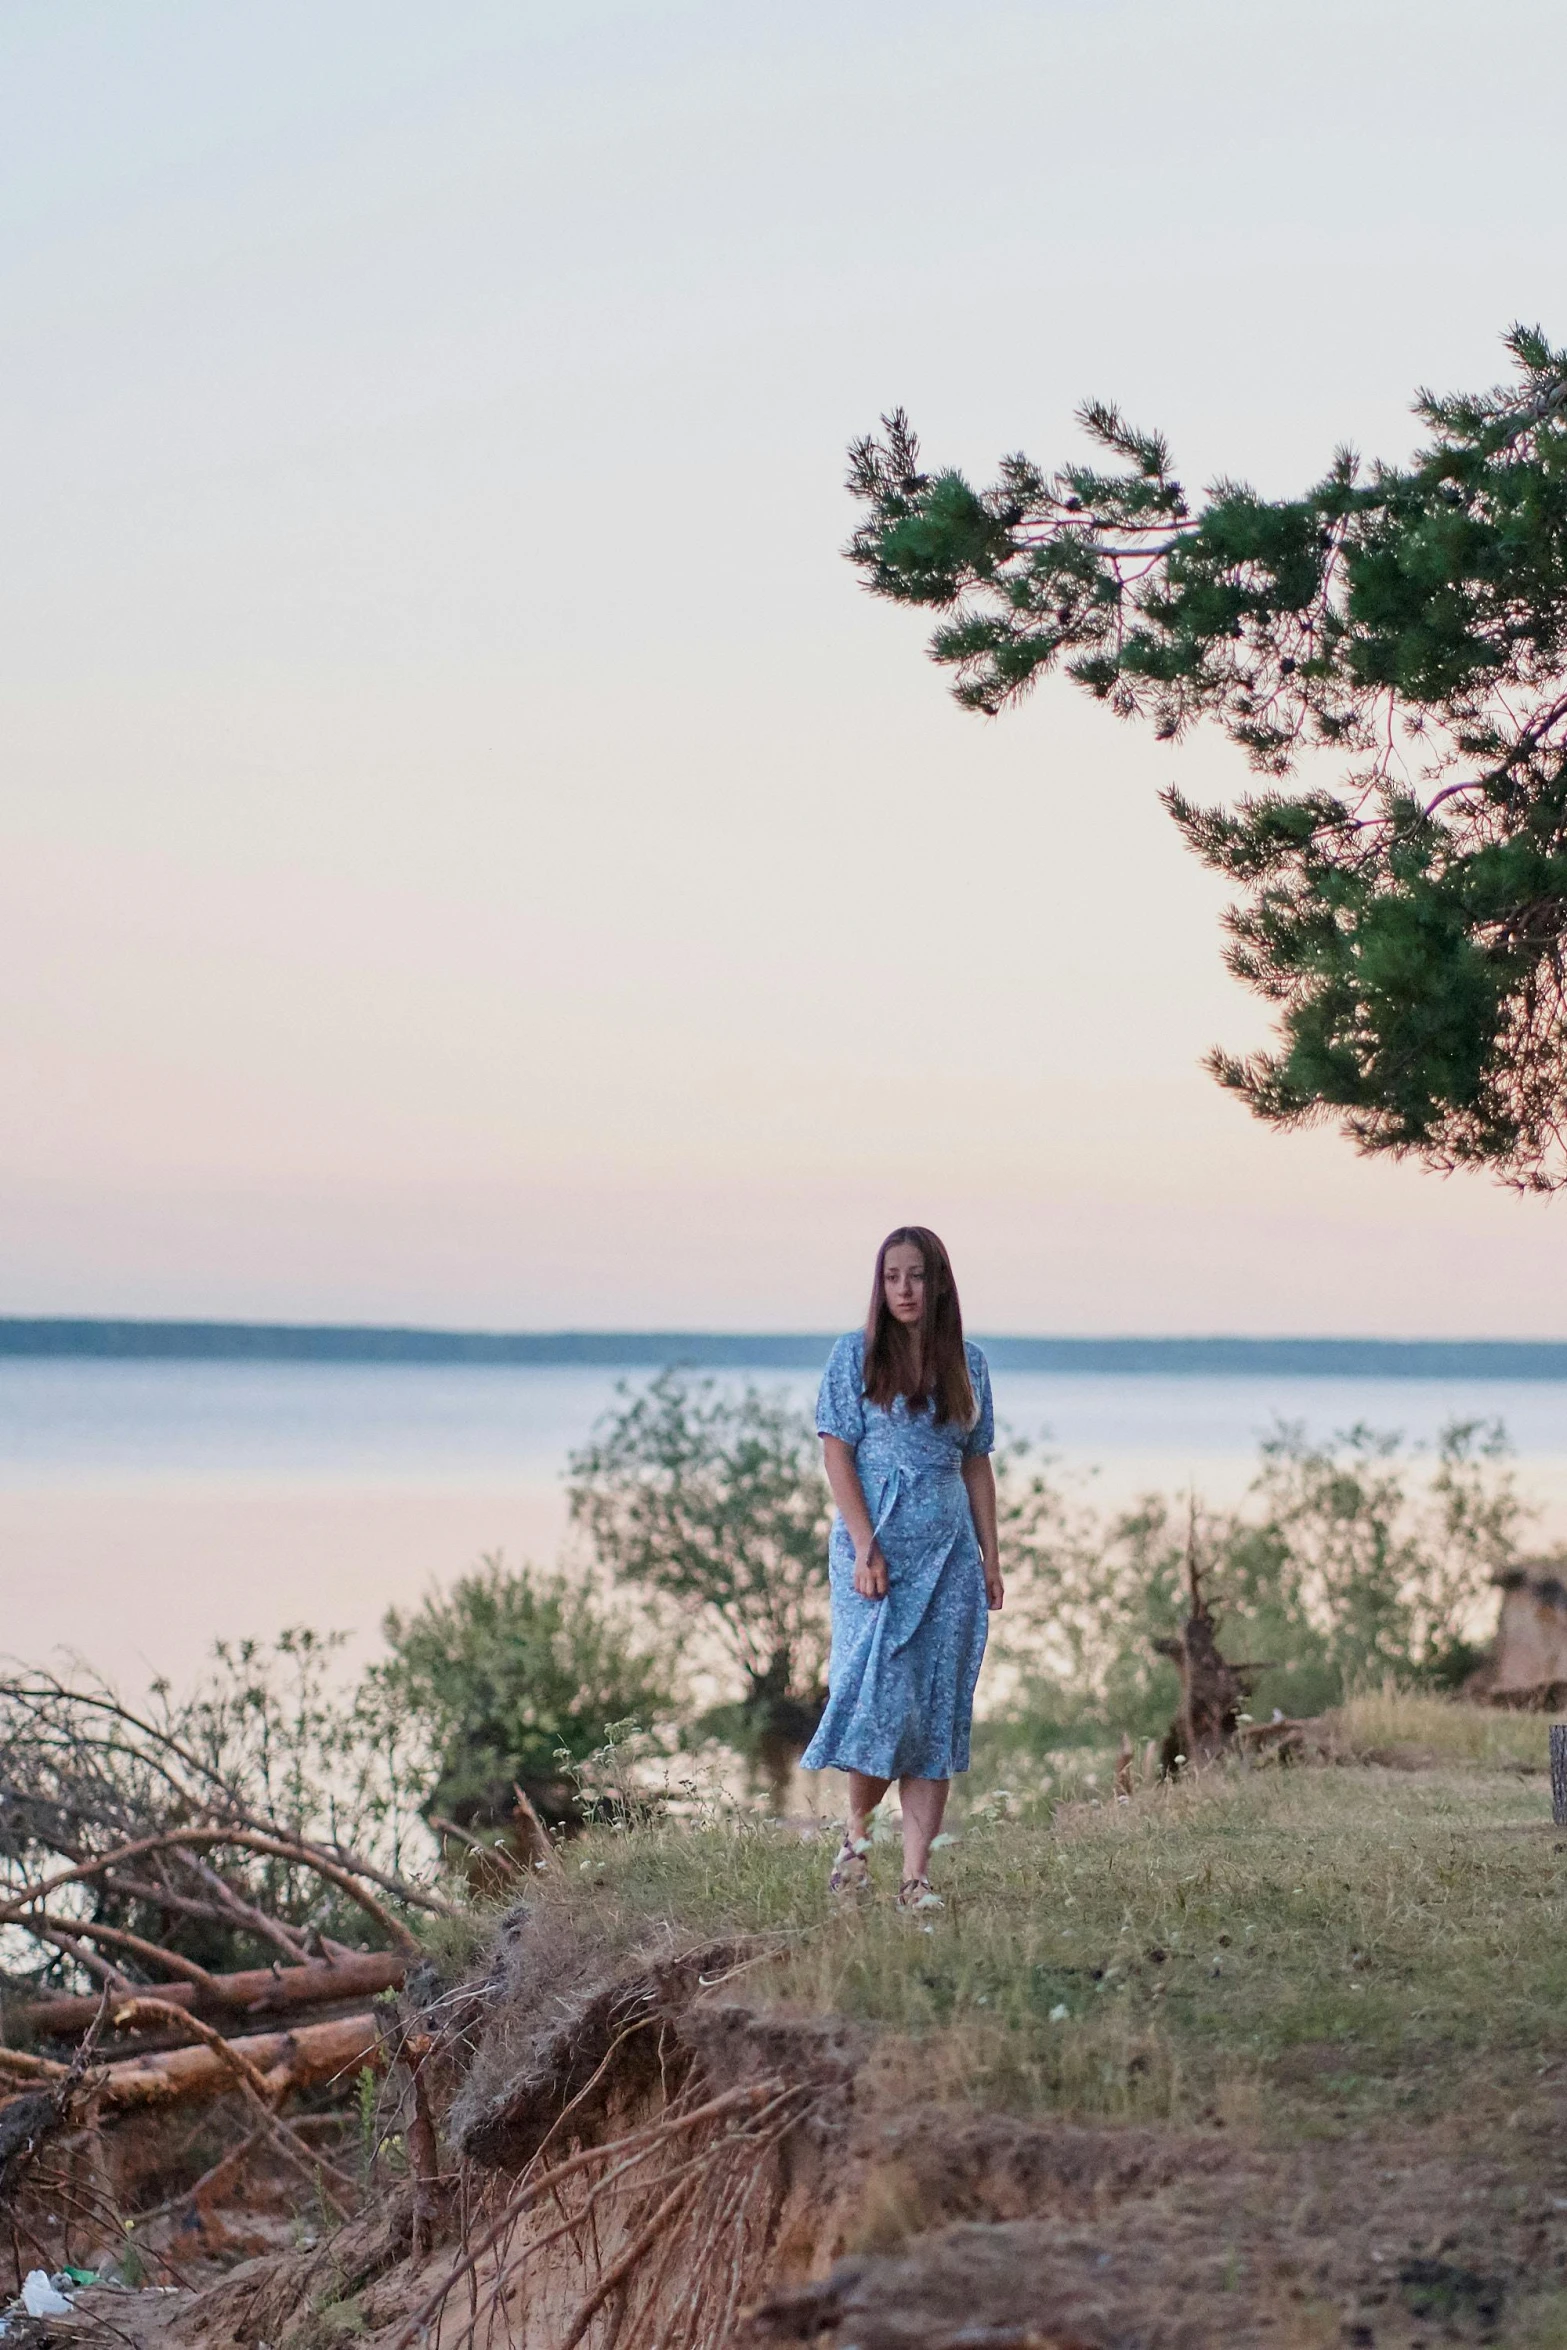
{"x":147,"y":1509}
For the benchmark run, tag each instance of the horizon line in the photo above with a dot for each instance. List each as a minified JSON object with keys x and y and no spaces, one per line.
{"x":170,"y":1339}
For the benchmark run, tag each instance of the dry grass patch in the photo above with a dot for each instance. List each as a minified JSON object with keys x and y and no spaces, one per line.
{"x":1443,"y":1729}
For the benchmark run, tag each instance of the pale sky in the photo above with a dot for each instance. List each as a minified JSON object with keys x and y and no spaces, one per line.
{"x":472,"y":852}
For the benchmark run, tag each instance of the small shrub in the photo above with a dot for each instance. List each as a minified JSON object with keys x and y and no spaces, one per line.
{"x":716,"y":1503}
{"x":511,"y":1670}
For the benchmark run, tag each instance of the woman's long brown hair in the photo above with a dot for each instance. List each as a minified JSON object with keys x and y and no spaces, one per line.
{"x":889,"y":1357}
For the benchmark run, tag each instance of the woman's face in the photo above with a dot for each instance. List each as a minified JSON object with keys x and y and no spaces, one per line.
{"x":903,"y":1282}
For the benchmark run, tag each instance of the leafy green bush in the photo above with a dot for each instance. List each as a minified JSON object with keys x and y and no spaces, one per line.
{"x":717,"y":1503}
{"x":511,"y":1669}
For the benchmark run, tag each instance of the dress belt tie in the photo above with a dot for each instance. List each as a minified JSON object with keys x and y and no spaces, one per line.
{"x":897,"y":1478}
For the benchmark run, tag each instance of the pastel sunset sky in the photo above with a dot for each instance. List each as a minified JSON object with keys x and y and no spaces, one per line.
{"x":472,"y":852}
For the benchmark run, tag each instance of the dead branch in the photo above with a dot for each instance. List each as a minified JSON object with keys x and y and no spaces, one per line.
{"x":254,"y":1991}
{"x":534,"y":1831}
{"x":286,"y":1939}
{"x":424,"y":2154}
{"x":230,"y":2053}
{"x":88,"y":1960}
{"x":88,"y":1930}
{"x":31,"y":2068}
{"x":1213,"y":1692}
{"x":158,"y":1741}
{"x":175,"y":2076}
{"x":197,"y":1839}
{"x":213,"y":1910}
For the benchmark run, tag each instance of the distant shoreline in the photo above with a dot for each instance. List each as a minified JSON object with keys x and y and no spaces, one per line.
{"x":1242,"y":1358}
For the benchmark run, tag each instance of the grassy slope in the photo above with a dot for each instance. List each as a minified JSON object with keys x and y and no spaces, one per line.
{"x":1312,"y":1950}
{"x":1341,"y":1990}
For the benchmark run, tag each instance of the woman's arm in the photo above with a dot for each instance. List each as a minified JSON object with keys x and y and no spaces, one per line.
{"x":870,"y":1568}
{"x":980,"y":1478}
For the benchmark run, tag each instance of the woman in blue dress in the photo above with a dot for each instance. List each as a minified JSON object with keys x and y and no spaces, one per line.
{"x":907,"y":1427}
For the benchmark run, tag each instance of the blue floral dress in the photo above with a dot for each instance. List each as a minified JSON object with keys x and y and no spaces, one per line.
{"x":904,"y":1667}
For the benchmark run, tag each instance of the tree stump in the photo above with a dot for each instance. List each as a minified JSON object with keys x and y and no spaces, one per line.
{"x":1559,"y":1773}
{"x":1213,"y":1691}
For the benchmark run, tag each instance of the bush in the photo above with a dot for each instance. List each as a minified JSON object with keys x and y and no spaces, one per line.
{"x":717,"y":1503}
{"x":1340,"y":1569}
{"x":509,"y":1671}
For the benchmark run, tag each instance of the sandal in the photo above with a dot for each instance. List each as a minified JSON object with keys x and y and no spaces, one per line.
{"x":915,"y":1894}
{"x":851,"y":1871}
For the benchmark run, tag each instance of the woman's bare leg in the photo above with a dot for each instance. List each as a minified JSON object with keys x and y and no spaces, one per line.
{"x":924,"y":1802}
{"x":864,"y":1795}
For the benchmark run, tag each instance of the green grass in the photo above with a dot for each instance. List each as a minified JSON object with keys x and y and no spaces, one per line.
{"x":1319,"y":1945}
{"x":1305,"y":1949}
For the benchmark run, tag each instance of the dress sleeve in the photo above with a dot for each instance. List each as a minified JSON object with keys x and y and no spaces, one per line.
{"x":840,"y":1406}
{"x":982,"y":1436}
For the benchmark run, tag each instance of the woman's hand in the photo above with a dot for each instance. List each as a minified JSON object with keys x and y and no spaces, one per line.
{"x":995,"y":1589}
{"x":870,"y":1568}
{"x":870,"y":1573}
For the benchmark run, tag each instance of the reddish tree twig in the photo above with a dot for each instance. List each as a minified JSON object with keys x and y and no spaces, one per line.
{"x":89,"y":1930}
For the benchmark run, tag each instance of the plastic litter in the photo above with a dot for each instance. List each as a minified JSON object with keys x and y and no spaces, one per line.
{"x":40,"y":2298}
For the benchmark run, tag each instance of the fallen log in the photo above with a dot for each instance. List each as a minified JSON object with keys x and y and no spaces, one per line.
{"x":283,"y":2060}
{"x":15,"y":2066}
{"x":255,"y":1991}
{"x":264,"y":2091}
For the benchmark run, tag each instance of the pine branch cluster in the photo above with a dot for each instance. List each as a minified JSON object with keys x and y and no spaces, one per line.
{"x":1409,"y":920}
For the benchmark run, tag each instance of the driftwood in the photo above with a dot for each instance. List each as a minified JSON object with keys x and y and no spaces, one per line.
{"x":256,"y":1991}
